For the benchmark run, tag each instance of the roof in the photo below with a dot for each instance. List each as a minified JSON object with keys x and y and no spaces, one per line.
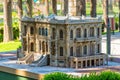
{"x":62,"y":19}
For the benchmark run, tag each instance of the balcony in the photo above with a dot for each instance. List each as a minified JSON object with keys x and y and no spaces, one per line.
{"x":85,"y":39}
{"x":96,"y":56}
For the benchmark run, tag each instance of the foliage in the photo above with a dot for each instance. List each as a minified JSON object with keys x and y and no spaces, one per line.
{"x":15,"y":25}
{"x":1,"y":37}
{"x":13,"y":45}
{"x":15,"y":33}
{"x":106,"y":75}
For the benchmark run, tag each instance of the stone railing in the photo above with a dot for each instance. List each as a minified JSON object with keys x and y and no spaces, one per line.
{"x":89,"y":57}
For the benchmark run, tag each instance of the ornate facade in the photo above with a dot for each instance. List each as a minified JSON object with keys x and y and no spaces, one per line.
{"x":68,"y":41}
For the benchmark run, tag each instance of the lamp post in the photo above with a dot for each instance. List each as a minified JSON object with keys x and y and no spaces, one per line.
{"x":119,"y":15}
{"x":108,"y":33}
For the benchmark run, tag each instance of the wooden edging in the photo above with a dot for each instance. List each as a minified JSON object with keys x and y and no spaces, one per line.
{"x":21,"y":72}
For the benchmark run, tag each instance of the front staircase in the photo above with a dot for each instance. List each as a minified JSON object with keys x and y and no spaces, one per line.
{"x":29,"y":58}
{"x":34,"y":59}
{"x":42,"y":61}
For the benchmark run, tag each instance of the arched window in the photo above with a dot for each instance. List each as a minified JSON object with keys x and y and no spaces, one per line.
{"x":85,"y":33}
{"x":32,"y":47}
{"x":78,"y":51}
{"x":46,"y":32}
{"x":40,"y":31}
{"x":53,"y":33}
{"x":31,"y":30}
{"x":91,"y":32}
{"x":71,"y":34}
{"x":71,"y":51}
{"x":61,"y":35}
{"x":61,"y":51}
{"x":78,"y":33}
{"x":85,"y":50}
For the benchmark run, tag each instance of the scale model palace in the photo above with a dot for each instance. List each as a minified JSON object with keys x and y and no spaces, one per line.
{"x":62,"y":41}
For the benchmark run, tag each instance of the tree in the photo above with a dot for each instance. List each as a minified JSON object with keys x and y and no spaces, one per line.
{"x":110,"y":7}
{"x":47,"y":7}
{"x":65,"y":7}
{"x":20,"y":13}
{"x":29,"y":7}
{"x":93,"y":8}
{"x":81,"y":8}
{"x":8,"y":32}
{"x":105,"y":12}
{"x":54,"y":6}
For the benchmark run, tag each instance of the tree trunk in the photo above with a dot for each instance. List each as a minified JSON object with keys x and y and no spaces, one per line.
{"x":47,"y":7}
{"x":29,"y":7}
{"x":65,"y":7}
{"x":54,"y":6}
{"x":20,"y":13}
{"x":93,"y":8}
{"x":110,"y":7}
{"x":105,"y":12}
{"x":81,"y":8}
{"x":8,"y":32}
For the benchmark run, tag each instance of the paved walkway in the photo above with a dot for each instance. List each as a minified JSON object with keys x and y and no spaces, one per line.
{"x":115,"y":44}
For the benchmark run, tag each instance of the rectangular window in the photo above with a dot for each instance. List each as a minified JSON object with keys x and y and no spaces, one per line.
{"x":24,"y":44}
{"x":32,"y":47}
{"x":61,"y":51}
{"x":25,"y":30}
{"x":31,"y":30}
{"x":98,"y":32}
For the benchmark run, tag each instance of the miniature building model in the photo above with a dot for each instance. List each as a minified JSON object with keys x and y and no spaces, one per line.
{"x":63,"y":41}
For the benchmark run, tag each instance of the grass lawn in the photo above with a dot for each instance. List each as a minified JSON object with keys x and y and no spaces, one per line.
{"x":13,"y":45}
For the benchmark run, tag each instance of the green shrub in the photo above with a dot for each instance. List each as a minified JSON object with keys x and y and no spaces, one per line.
{"x":1,"y":37}
{"x":58,"y":76}
{"x":15,"y":33}
{"x":107,"y":75}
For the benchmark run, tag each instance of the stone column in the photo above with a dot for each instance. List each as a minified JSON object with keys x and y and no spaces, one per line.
{"x":28,"y":44}
{"x":100,"y":32}
{"x":95,"y":48}
{"x":82,"y":50}
{"x":99,"y":61}
{"x":82,"y":32}
{"x":71,"y":64}
{"x":95,"y":32}
{"x":76,"y":66}
{"x":41,"y":48}
{"x":94,"y":61}
{"x":56,"y":46}
{"x":81,"y":64}
{"x":37,"y":44}
{"x":45,"y":47}
{"x":86,"y":63}
{"x":67,"y":45}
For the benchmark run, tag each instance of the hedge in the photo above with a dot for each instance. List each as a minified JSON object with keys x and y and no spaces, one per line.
{"x":106,"y":75}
